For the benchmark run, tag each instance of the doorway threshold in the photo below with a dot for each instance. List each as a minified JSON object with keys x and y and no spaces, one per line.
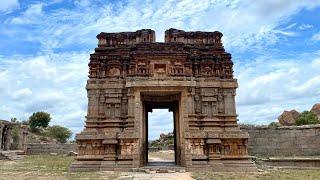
{"x":162,"y":163}
{"x":163,"y":167}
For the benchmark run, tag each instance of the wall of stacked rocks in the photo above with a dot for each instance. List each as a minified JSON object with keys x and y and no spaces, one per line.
{"x":283,"y":141}
{"x":50,"y":148}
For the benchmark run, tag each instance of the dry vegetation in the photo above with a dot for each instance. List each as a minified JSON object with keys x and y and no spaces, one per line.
{"x":56,"y":167}
{"x":46,"y":167}
{"x":161,"y":155}
{"x":290,"y":174}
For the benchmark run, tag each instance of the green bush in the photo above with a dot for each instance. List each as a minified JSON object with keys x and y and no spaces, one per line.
{"x":307,"y":117}
{"x":273,"y":124}
{"x":61,"y":134}
{"x":39,"y":120}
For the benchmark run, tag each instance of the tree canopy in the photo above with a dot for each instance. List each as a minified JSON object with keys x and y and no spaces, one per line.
{"x":39,"y":120}
{"x":61,"y":134}
{"x":307,"y":117}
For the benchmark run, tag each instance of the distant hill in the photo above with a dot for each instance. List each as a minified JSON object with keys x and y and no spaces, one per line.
{"x":165,"y":140}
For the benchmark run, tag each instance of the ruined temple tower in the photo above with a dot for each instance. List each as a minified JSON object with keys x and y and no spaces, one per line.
{"x":190,"y":74}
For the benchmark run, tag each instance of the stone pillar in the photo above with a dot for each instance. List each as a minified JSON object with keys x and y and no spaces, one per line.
{"x":22,"y":137}
{"x":8,"y":138}
{"x":1,"y":133}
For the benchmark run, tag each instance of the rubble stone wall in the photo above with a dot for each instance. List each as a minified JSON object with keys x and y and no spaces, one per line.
{"x":283,"y":141}
{"x":50,"y":148}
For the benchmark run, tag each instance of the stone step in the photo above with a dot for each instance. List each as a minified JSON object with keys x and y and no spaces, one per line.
{"x":13,"y":155}
{"x":161,"y":167}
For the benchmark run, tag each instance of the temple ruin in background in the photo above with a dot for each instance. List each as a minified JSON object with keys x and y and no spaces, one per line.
{"x":190,"y":74}
{"x":10,"y":140}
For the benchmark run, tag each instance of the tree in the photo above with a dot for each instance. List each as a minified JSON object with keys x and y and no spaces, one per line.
{"x":273,"y":125}
{"x":307,"y":117}
{"x":39,"y":120}
{"x":14,"y":120}
{"x":61,"y":134}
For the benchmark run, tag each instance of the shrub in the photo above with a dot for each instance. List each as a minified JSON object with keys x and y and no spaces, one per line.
{"x":273,"y":124}
{"x":39,"y":120}
{"x":307,"y":117}
{"x":61,"y":134}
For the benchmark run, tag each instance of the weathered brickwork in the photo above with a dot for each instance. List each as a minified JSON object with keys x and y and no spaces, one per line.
{"x":284,"y":141}
{"x":190,"y":74}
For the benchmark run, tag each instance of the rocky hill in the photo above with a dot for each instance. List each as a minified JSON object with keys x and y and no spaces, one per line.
{"x":288,"y":118}
{"x":165,"y":140}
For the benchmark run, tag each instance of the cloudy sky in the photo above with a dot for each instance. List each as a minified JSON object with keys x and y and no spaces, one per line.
{"x":45,"y":47}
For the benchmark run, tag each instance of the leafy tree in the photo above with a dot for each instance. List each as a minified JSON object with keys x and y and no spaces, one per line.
{"x":61,"y":134}
{"x":39,"y":120}
{"x":14,"y":120}
{"x":307,"y":117}
{"x":273,"y":124}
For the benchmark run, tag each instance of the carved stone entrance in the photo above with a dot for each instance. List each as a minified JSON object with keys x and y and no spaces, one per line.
{"x":164,"y":100}
{"x":190,"y":73}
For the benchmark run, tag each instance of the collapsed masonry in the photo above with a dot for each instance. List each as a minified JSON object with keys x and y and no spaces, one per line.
{"x":190,"y":74}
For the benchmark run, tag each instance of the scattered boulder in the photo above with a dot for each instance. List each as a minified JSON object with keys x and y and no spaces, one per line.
{"x":53,"y":154}
{"x":72,"y":153}
{"x":316,"y":109}
{"x":288,"y":118}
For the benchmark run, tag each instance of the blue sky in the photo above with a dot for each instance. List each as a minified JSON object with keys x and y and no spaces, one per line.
{"x":45,"y":47}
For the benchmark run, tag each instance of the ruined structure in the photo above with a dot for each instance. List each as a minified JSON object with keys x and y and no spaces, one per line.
{"x":190,"y":74}
{"x":7,"y":141}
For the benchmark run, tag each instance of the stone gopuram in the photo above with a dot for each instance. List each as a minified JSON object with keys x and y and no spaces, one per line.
{"x":190,"y":74}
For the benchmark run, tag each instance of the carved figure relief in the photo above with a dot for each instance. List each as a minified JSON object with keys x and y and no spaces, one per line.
{"x":220,"y":103}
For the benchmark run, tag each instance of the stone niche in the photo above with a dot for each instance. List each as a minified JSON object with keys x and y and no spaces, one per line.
{"x":190,"y":74}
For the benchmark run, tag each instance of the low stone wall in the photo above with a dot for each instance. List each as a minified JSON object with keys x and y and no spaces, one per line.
{"x":50,"y":148}
{"x":283,"y":141}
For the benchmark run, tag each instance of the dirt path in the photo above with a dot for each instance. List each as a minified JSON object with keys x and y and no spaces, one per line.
{"x":157,"y":176}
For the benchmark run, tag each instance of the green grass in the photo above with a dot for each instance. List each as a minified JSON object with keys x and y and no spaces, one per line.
{"x":47,"y":167}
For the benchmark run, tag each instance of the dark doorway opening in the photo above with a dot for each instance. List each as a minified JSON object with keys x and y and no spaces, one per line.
{"x":171,"y":155}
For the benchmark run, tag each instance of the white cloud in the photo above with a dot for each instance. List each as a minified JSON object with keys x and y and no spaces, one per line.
{"x":248,"y":24}
{"x":84,"y":3}
{"x":269,"y":86}
{"x":8,"y":5}
{"x":21,"y":93}
{"x":316,"y":37}
{"x":30,"y":16}
{"x":305,"y":26}
{"x":51,"y":82}
{"x":159,"y":121}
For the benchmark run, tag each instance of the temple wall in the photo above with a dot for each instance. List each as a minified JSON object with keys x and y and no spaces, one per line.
{"x":284,"y":141}
{"x":50,"y":148}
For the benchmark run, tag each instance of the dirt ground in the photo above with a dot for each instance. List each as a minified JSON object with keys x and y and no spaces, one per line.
{"x":56,"y":167}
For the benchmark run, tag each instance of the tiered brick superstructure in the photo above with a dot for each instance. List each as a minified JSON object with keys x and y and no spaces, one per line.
{"x":190,"y":73}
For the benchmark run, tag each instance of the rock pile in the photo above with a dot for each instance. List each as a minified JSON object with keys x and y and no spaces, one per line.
{"x":316,"y":109}
{"x":288,"y":118}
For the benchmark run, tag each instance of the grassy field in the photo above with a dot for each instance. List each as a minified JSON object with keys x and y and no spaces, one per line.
{"x":56,"y":167}
{"x":288,"y":174}
{"x":46,"y":167}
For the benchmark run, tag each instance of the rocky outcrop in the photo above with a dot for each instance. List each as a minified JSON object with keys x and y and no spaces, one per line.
{"x":288,"y":118}
{"x":316,"y":109}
